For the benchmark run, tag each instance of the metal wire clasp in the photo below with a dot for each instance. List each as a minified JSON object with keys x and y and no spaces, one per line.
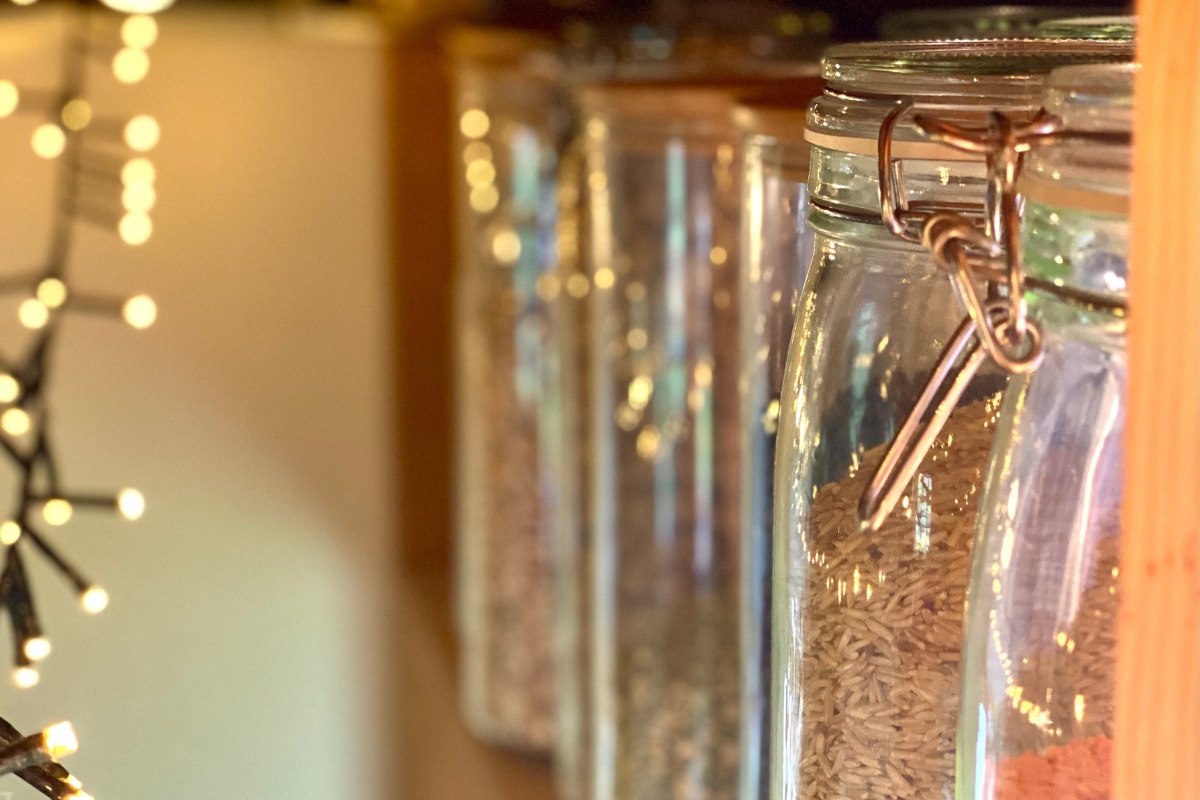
{"x":996,"y":324}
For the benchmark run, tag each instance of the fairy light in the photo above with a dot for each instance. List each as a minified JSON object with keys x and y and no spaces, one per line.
{"x":37,"y":648}
{"x":15,"y":421}
{"x":94,"y":600}
{"x":33,"y":313}
{"x":10,"y":97}
{"x":131,"y":504}
{"x":138,"y":198}
{"x":57,"y":511}
{"x":140,"y":311}
{"x":60,"y":740}
{"x":77,"y":114}
{"x":49,"y":140}
{"x":25,"y":677}
{"x":142,"y":133}
{"x":52,"y":292}
{"x":137,"y":170}
{"x":139,"y":31}
{"x":139,"y":6}
{"x":9,"y":388}
{"x":130,"y":65}
{"x":10,"y":532}
{"x":135,"y":228}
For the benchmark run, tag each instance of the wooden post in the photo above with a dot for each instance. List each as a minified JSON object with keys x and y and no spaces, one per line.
{"x":1158,"y":672}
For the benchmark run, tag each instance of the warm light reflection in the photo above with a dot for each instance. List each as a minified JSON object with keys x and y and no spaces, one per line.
{"x":604,"y":278}
{"x":506,"y":246}
{"x":484,"y":198}
{"x":647,"y":443}
{"x":130,"y":65}
{"x":480,"y":173}
{"x":140,"y":311}
{"x":49,"y":140}
{"x":57,"y":511}
{"x":640,"y":390}
{"x":138,"y":6}
{"x":141,"y":133}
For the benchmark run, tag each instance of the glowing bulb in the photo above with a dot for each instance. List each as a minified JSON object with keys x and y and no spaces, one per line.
{"x":59,"y":739}
{"x":25,"y":677}
{"x":138,"y":6}
{"x":130,"y":64}
{"x":52,"y":292}
{"x":9,"y":388}
{"x":140,"y":311}
{"x":484,"y":198}
{"x":14,"y":421}
{"x":9,"y":97}
{"x":9,"y":532}
{"x":137,"y":170}
{"x":23,"y":2}
{"x":138,"y":197}
{"x":141,"y":133}
{"x":57,"y":511}
{"x":131,"y":504}
{"x":480,"y":173}
{"x":94,"y":600}
{"x":140,"y":31}
{"x":79,"y":795}
{"x":135,"y":228}
{"x":76,"y":114}
{"x":506,"y":246}
{"x":49,"y":140}
{"x":37,"y":648}
{"x":33,"y":313}
{"x":74,"y":783}
{"x":474,"y":123}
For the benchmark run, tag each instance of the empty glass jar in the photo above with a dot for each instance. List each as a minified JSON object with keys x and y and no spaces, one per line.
{"x":509,"y":122}
{"x":869,"y":625}
{"x":1037,"y":708}
{"x":776,"y":249}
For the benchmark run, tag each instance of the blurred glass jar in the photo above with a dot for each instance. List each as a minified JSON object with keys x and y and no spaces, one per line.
{"x":776,"y":249}
{"x":662,"y":175}
{"x":509,"y":123}
{"x":868,"y":625}
{"x":1122,"y":28}
{"x":1040,"y":655}
{"x":982,"y":22}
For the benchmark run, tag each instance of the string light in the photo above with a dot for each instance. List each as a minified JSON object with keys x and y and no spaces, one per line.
{"x":141,"y":133}
{"x":67,"y":130}
{"x":49,"y":140}
{"x":139,"y":31}
{"x":32,"y":758}
{"x":139,"y":6}
{"x":140,"y":311}
{"x":94,"y":600}
{"x":130,"y":65}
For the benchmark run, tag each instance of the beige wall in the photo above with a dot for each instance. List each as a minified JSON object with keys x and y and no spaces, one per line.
{"x":246,"y":652}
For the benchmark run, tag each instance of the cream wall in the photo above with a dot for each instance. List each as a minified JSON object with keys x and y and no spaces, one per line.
{"x":246,"y":651}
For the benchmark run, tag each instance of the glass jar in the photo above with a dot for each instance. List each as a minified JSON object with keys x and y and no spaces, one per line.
{"x":508,"y":119}
{"x":662,"y":164}
{"x":1122,"y":28}
{"x":1040,"y":654}
{"x":776,"y":249}
{"x":868,"y":625}
{"x":983,"y":22}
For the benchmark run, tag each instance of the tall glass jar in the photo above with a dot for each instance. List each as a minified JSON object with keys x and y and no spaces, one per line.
{"x":869,"y":625}
{"x":662,"y":164}
{"x":1040,"y":654}
{"x":508,"y":123}
{"x":776,"y":249}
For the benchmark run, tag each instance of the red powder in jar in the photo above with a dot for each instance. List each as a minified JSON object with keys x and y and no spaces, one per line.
{"x":1078,"y":770}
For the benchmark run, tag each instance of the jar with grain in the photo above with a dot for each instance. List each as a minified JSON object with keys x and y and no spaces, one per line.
{"x":869,"y":625}
{"x":1040,"y":654}
{"x":664,"y":215}
{"x":776,"y":249}
{"x":508,"y":122}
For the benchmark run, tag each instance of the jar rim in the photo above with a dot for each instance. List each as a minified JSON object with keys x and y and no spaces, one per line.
{"x":970,"y":66}
{"x":998,"y":21}
{"x":1114,"y":28}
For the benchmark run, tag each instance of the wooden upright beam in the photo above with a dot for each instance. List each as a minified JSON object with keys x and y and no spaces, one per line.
{"x":1158,"y":672}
